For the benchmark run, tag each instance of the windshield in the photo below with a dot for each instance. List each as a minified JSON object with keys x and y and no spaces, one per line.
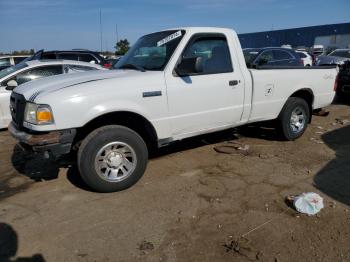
{"x":151,"y":52}
{"x":341,"y":53}
{"x":250,"y":55}
{"x":10,"y":70}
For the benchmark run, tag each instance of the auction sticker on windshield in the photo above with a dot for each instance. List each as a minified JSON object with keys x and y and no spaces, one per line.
{"x":169,"y":38}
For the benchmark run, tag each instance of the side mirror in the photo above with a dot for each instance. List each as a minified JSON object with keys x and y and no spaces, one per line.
{"x":12,"y":84}
{"x":189,"y":66}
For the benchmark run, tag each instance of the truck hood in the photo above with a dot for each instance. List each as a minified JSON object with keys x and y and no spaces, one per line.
{"x":32,"y":89}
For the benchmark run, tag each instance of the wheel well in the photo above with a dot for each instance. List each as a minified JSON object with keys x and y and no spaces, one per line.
{"x":308,"y":96}
{"x":131,"y":120}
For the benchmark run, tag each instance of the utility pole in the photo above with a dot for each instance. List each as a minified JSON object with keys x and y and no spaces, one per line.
{"x":100,"y":31}
{"x":116,"y":32}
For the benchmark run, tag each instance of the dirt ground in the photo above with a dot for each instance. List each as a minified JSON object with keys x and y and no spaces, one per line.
{"x":193,"y":203}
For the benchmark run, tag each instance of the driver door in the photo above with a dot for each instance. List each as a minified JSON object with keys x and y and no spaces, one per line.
{"x":212,"y":99}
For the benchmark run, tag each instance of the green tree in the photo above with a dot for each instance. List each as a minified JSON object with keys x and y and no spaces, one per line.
{"x":122,"y":47}
{"x":23,"y":52}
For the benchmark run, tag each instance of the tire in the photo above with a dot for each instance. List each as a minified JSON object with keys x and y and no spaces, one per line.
{"x":112,"y":158}
{"x":296,"y":110}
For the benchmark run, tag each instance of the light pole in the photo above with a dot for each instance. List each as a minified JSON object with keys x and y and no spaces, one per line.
{"x":100,"y":31}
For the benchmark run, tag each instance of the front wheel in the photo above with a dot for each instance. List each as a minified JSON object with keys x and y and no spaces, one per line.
{"x":293,"y":119}
{"x":112,"y":158}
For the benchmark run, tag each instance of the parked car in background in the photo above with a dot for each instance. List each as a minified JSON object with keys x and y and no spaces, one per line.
{"x":76,"y":54}
{"x":111,"y":61}
{"x":114,"y":61}
{"x":337,"y":57}
{"x":169,"y":86}
{"x":343,"y":88}
{"x":27,"y":71}
{"x":271,"y":56}
{"x":305,"y":57}
{"x":286,"y":46}
{"x":7,"y":61}
{"x":317,"y":50}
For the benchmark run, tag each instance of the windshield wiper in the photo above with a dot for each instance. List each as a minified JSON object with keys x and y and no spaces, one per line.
{"x":133,"y":66}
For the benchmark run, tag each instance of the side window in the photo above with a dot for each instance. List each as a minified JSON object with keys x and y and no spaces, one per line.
{"x":5,"y":61}
{"x":77,"y":68}
{"x":281,"y":55}
{"x":18,"y":59}
{"x":37,"y":73}
{"x":265,"y":57}
{"x":215,"y":54}
{"x":88,"y":58}
{"x":48,"y":56}
{"x":68,"y":56}
{"x":301,"y":55}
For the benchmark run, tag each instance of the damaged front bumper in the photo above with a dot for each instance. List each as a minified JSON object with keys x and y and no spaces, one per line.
{"x":55,"y":143}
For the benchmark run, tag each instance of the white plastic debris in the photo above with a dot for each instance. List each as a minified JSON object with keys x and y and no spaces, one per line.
{"x":308,"y":203}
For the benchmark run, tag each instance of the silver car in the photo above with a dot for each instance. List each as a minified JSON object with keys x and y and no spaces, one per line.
{"x":28,"y":71}
{"x":337,"y":57}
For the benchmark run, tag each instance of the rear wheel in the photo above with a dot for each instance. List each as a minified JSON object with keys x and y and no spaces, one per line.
{"x":112,"y":158}
{"x":294,"y":118}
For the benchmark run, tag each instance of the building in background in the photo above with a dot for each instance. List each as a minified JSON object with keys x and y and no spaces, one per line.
{"x":329,"y":36}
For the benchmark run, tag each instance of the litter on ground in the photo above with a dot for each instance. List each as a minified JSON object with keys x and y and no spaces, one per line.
{"x":307,"y":203}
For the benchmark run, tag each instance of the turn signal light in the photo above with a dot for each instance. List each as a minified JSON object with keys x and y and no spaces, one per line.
{"x":44,"y":116}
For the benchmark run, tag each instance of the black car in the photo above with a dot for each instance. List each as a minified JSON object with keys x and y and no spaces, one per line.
{"x":271,"y":56}
{"x":77,"y":55}
{"x":343,"y":80}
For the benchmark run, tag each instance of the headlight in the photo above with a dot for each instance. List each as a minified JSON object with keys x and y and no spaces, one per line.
{"x":38,"y":114}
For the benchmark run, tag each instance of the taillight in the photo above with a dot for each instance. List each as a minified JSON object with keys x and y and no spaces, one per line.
{"x":107,"y":65}
{"x":336,"y":83}
{"x":301,"y":62}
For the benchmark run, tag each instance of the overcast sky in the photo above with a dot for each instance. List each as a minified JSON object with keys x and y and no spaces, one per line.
{"x":67,"y":24}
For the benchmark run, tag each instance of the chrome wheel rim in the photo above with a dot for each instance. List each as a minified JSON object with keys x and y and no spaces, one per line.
{"x":115,"y":161}
{"x":297,"y":120}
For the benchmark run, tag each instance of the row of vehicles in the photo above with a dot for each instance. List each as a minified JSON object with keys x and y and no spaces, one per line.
{"x":281,"y":56}
{"x":171,"y":85}
{"x":286,"y":56}
{"x":81,"y":55}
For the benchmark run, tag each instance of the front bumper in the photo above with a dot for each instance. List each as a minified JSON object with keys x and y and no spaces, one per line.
{"x":56,"y":143}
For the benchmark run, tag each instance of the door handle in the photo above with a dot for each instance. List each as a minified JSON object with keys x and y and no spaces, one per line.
{"x":234,"y":82}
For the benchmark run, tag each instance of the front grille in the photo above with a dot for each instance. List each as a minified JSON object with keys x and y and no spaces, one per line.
{"x":17,"y":107}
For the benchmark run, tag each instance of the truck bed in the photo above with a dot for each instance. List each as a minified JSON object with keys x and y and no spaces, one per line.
{"x":271,"y":88}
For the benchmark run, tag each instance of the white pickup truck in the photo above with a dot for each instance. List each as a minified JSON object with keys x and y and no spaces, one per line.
{"x":170,"y":85}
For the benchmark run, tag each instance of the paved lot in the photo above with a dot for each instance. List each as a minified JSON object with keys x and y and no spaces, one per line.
{"x":191,"y":202}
